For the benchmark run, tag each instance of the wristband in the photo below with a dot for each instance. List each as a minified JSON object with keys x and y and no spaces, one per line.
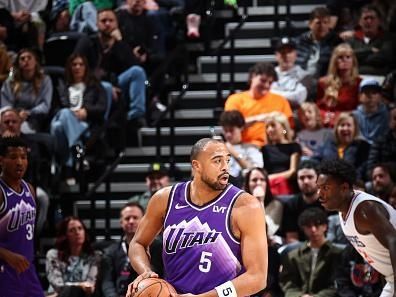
{"x":226,"y":290}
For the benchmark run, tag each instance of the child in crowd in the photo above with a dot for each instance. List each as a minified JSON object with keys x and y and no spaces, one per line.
{"x":312,"y":134}
{"x":243,"y":155}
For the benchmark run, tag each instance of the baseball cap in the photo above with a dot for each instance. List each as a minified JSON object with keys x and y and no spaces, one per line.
{"x":157,"y":168}
{"x":284,"y":42}
{"x":369,"y":84}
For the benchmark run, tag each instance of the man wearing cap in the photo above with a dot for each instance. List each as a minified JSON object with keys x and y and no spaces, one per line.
{"x":290,"y":75}
{"x":372,"y":115}
{"x":157,"y":177}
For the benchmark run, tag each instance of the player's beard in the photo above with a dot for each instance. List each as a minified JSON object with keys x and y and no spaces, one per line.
{"x":214,"y":185}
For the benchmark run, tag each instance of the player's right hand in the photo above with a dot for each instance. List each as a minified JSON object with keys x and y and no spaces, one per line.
{"x":133,"y":286}
{"x":17,"y":261}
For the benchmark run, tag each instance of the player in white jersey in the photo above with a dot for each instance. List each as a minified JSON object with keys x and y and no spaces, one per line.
{"x":368,"y":222}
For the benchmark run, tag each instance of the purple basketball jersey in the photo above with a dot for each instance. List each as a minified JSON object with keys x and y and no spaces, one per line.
{"x":199,"y":249}
{"x":17,"y":217}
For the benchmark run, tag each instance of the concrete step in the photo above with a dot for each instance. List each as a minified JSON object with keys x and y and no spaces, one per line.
{"x":263,"y":29}
{"x":208,"y":64}
{"x":269,"y":10}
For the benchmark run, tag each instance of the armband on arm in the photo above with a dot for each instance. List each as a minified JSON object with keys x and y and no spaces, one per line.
{"x":226,"y":290}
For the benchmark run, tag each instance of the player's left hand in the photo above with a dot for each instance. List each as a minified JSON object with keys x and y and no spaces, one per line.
{"x":132,"y":287}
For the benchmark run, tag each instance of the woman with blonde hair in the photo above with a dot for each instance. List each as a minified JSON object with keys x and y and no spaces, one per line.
{"x":281,"y":155}
{"x":339,"y":89}
{"x":312,"y":134}
{"x":347,"y":144}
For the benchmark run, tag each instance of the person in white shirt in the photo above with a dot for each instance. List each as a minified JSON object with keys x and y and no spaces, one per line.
{"x":368,"y":222}
{"x":289,"y":75}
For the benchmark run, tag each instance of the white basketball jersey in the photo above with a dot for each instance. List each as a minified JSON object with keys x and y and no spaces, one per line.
{"x":367,"y":245}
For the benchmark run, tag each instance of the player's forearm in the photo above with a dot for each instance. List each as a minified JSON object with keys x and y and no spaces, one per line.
{"x":139,"y":258}
{"x":246,"y":284}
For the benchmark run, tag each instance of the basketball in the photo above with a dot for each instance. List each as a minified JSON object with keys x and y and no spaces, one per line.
{"x":154,"y":287}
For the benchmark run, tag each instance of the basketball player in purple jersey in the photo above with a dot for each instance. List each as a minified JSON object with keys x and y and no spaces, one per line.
{"x":214,"y":238}
{"x":18,"y":276}
{"x":369,"y":223}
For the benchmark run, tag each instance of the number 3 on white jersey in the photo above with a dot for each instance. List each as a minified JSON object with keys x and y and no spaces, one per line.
{"x":205,"y":263}
{"x":29,"y":229}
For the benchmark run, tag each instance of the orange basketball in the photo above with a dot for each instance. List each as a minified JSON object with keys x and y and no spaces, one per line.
{"x":154,"y":287}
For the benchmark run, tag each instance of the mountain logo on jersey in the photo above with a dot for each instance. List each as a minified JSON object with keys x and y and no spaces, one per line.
{"x":188,"y":234}
{"x":21,"y":214}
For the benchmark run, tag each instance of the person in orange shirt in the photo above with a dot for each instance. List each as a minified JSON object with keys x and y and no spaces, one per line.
{"x":258,"y":101}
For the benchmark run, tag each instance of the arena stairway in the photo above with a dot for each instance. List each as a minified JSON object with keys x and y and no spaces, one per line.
{"x":195,"y":116}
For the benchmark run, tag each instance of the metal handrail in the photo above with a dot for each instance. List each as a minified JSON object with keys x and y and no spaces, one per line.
{"x":230,"y":38}
{"x":90,"y":194}
{"x":171,"y":110}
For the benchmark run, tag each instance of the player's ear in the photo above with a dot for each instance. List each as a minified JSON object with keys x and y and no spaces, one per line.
{"x":195,"y":164}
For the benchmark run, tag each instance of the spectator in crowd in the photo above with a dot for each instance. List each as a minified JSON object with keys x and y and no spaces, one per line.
{"x":355,"y":277}
{"x":116,"y":270}
{"x":281,"y":155}
{"x":372,"y":115}
{"x":374,"y":48}
{"x":312,"y":133}
{"x":310,"y":269}
{"x":145,"y":33}
{"x":383,"y":178}
{"x":29,"y":28}
{"x":257,"y":183}
{"x":157,"y":178}
{"x":345,"y":15}
{"x":114,"y":62}
{"x":29,"y":90}
{"x":243,"y":155}
{"x":307,"y":173}
{"x":315,"y":46}
{"x":347,"y":144}
{"x":83,"y":107}
{"x":290,"y":76}
{"x":255,"y":103}
{"x":339,"y":89}
{"x":384,"y":149}
{"x":59,"y":17}
{"x":72,"y":266}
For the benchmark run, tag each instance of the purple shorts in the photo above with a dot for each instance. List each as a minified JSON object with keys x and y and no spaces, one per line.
{"x":25,"y":284}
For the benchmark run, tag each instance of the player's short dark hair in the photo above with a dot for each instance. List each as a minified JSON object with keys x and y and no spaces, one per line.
{"x":312,"y":216}
{"x":232,"y":118}
{"x":340,"y":170}
{"x":309,"y":164}
{"x":319,"y":13}
{"x":262,"y":68}
{"x":13,"y":141}
{"x":132,"y":204}
{"x":200,"y":145}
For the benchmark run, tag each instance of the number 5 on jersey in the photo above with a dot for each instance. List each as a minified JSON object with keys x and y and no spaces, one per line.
{"x":205,"y":262}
